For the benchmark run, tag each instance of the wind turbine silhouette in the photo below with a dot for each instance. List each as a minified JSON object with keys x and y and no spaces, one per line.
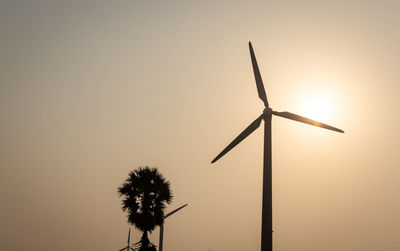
{"x":160,"y":245}
{"x":266,"y":224}
{"x":128,"y":247}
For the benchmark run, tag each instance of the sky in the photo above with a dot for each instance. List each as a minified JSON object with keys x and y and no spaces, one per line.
{"x":90,"y":90}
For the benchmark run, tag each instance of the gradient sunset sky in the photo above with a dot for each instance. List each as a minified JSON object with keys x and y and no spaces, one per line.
{"x":90,"y":90}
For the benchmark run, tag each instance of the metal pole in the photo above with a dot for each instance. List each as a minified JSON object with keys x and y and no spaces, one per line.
{"x":160,"y":244}
{"x":129,"y":239}
{"x":266,"y":228}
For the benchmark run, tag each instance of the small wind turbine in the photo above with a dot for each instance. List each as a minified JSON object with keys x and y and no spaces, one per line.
{"x":128,"y":247}
{"x":160,"y":248}
{"x":266,"y":225}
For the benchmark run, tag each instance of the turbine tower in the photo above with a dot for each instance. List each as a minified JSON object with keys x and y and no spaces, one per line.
{"x":266,"y":223}
{"x":160,"y":245}
{"x":128,"y":247}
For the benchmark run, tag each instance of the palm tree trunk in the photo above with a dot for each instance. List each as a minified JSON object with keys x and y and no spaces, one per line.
{"x":144,"y":241}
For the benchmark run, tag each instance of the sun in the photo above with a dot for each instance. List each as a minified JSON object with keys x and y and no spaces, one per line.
{"x":317,"y":106}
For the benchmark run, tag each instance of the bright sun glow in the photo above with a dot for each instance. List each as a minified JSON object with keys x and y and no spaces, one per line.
{"x":318,"y":107}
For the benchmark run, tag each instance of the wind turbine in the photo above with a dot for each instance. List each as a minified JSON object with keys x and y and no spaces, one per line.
{"x":160,"y":245}
{"x":266,"y":226}
{"x":128,"y":247}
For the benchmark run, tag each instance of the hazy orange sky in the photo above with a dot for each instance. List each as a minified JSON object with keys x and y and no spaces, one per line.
{"x":90,"y":90}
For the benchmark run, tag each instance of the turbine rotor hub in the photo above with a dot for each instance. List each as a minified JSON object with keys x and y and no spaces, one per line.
{"x":267,"y":111}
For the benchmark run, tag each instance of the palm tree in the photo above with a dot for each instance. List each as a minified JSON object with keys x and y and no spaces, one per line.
{"x":146,"y":193}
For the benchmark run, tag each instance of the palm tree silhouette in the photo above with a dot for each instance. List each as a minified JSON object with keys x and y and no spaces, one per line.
{"x":146,"y":193}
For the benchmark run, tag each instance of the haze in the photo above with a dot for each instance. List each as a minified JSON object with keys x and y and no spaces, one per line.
{"x":90,"y":90}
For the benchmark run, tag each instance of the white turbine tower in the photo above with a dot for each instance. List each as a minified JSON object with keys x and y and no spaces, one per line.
{"x":160,"y":245}
{"x":128,"y":247}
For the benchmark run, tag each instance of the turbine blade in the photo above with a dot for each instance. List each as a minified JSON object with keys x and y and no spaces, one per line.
{"x":123,"y":249}
{"x":302,"y":119}
{"x":176,"y":210}
{"x":129,"y":236}
{"x":257,"y":76}
{"x":251,"y":128}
